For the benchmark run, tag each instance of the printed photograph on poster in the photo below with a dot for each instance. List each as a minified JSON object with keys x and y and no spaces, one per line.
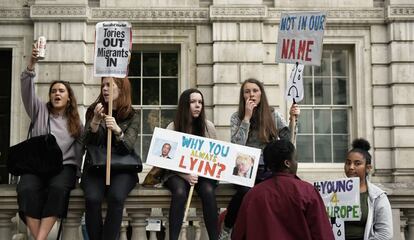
{"x":204,"y":157}
{"x":244,"y":165}
{"x":166,"y":148}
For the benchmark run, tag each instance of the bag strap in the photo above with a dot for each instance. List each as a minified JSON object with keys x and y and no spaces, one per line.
{"x":29,"y":132}
{"x":60,"y":229}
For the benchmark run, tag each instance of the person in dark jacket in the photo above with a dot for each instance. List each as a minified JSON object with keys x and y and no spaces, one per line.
{"x":124,"y":124}
{"x":283,"y":206}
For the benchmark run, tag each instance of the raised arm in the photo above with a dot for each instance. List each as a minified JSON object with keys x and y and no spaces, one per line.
{"x":31,"y":102}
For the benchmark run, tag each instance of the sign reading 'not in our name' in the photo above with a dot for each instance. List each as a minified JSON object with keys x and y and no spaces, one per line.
{"x":113,"y":41}
{"x":300,"y":38}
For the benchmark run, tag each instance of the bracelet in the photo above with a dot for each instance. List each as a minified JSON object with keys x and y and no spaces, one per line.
{"x":30,"y":70}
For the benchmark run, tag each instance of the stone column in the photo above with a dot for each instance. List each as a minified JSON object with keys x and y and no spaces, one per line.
{"x":138,"y":222}
{"x":71,"y":225}
{"x":6,"y":224}
{"x":400,"y":20}
{"x":410,"y":222}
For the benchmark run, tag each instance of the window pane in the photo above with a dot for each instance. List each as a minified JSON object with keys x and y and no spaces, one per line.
{"x":340,"y":148}
{"x":323,"y":148}
{"x":167,"y":116}
{"x":322,"y":91}
{"x":322,"y":121}
{"x":340,"y":121}
{"x":151,"y":64}
{"x":339,"y":63}
{"x":146,"y":141}
{"x":169,"y":91}
{"x":307,"y":91}
{"x":304,"y":148}
{"x":150,"y":91}
{"x":150,"y":120}
{"x":305,"y":121}
{"x":137,"y":147}
{"x":135,"y":64}
{"x":135,"y":90}
{"x":169,"y":64}
{"x":307,"y":71}
{"x":340,"y":91}
{"x":324,"y":69}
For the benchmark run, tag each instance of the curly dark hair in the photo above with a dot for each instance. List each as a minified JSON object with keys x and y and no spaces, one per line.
{"x":276,"y":152}
{"x":362,"y":146}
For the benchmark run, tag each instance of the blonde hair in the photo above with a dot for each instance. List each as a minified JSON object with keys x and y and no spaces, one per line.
{"x":244,"y":159}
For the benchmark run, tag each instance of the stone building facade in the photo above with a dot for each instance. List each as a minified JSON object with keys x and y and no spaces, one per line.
{"x":363,"y":89}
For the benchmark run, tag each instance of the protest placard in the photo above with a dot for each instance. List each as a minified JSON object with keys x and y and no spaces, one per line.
{"x":294,"y":87}
{"x":341,"y":198}
{"x":113,"y":41}
{"x":204,"y":157}
{"x":338,"y":229}
{"x":300,"y":38}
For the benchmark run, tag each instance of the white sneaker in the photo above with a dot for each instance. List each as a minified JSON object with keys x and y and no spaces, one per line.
{"x":224,"y":234}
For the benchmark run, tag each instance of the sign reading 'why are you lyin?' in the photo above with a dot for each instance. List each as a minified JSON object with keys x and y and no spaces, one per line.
{"x":204,"y":157}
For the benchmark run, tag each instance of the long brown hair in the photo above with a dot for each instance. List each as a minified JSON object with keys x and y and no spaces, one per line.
{"x":71,"y":111}
{"x":123,"y":102}
{"x":184,"y":121}
{"x":262,"y":118}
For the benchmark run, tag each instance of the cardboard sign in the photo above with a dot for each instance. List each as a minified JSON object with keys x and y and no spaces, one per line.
{"x":294,"y":87}
{"x":204,"y":157}
{"x":341,"y":198}
{"x":113,"y":41}
{"x":338,"y":229}
{"x":300,"y":38}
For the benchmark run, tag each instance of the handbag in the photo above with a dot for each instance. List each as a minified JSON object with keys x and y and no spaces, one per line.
{"x":40,"y":155}
{"x":153,"y":177}
{"x":129,"y":161}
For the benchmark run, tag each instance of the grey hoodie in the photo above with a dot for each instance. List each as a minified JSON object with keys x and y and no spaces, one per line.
{"x":72,"y":149}
{"x":379,"y":220}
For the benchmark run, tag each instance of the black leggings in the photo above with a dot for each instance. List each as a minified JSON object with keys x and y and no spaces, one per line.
{"x":93,"y":184}
{"x":205,"y":189}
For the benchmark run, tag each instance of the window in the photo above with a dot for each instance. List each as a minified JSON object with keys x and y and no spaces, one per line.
{"x":324,"y":123}
{"x":154,"y":81}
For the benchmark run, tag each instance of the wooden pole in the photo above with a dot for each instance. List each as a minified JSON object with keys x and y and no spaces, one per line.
{"x":187,"y":205}
{"x":292,"y":126}
{"x":109,"y":138}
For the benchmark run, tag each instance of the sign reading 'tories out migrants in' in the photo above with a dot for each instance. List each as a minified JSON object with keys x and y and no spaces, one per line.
{"x":112,"y":49}
{"x":341,"y":198}
{"x":204,"y":157}
{"x":300,"y":38}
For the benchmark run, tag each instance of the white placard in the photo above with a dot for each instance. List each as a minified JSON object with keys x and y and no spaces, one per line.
{"x":294,"y":87}
{"x":113,"y":41}
{"x":341,"y":198}
{"x":300,"y":38}
{"x":338,"y":229}
{"x":204,"y":157}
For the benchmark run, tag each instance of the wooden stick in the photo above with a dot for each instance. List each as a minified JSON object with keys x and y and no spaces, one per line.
{"x":109,"y":139}
{"x":292,"y":126}
{"x":187,"y":205}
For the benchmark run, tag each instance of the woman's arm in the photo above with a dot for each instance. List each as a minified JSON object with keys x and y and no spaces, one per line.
{"x":239,"y":130}
{"x":31,"y":102}
{"x":125,"y":140}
